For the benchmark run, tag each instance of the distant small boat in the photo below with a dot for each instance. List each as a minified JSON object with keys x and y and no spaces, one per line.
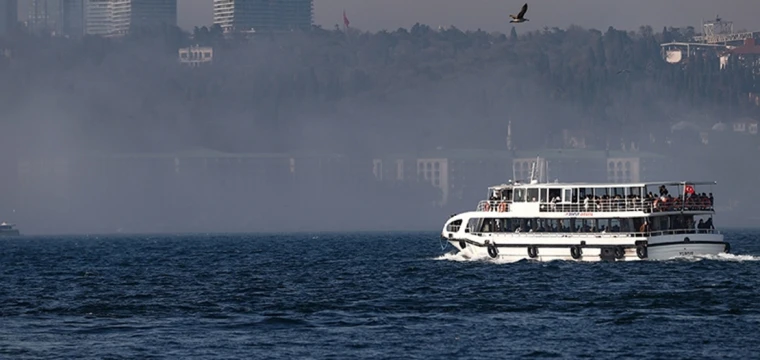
{"x":8,"y":230}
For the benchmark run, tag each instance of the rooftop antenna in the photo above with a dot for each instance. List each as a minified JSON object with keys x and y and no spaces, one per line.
{"x":533,"y":179}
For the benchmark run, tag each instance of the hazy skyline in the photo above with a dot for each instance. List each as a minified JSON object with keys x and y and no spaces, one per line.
{"x":492,"y":15}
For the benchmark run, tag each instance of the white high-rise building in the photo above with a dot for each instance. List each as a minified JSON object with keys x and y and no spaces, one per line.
{"x":107,"y":17}
{"x":263,"y":15}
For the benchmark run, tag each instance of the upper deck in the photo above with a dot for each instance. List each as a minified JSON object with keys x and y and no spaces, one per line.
{"x":555,"y":200}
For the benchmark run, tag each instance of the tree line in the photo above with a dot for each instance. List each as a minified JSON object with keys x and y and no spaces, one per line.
{"x":361,"y":92}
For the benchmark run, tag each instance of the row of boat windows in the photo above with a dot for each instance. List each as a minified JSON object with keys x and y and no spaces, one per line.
{"x":565,"y":194}
{"x":644,"y":224}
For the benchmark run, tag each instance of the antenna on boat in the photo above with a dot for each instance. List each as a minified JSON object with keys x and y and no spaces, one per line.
{"x":533,"y":179}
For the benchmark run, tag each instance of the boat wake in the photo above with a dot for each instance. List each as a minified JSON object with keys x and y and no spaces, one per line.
{"x":461,"y":258}
{"x":718,"y":257}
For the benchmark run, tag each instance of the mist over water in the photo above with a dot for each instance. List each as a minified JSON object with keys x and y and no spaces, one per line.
{"x":279,"y":133}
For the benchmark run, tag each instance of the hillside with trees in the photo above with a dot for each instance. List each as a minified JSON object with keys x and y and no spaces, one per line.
{"x":408,"y":89}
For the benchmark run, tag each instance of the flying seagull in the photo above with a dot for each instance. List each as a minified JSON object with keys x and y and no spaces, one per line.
{"x":624,"y":71}
{"x":520,"y":17}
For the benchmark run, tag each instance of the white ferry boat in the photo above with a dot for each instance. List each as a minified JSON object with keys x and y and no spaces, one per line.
{"x":589,"y":222}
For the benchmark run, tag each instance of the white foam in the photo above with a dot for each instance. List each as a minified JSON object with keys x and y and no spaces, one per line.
{"x":485,"y":258}
{"x":719,"y":257}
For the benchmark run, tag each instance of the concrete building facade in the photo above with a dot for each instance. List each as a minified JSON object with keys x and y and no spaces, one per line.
{"x":263,"y":15}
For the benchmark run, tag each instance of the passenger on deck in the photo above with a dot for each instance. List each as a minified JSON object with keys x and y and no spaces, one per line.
{"x":644,"y":228}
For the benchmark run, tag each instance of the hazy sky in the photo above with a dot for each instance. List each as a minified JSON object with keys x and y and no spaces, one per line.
{"x":492,"y":15}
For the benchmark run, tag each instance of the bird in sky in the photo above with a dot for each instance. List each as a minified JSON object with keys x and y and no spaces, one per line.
{"x":521,"y":16}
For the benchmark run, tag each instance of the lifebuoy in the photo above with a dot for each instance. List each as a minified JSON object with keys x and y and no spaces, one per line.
{"x":641,"y":251}
{"x":576,"y":252}
{"x":503,"y":207}
{"x":493,"y":252}
{"x":619,"y":252}
{"x":532,"y":252}
{"x":486,"y":207}
{"x":462,"y":244}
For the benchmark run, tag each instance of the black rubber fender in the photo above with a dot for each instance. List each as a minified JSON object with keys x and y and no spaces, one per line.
{"x":619,"y":252}
{"x":532,"y":252}
{"x":462,"y":244}
{"x":641,"y":252}
{"x":576,"y":252}
{"x":727,"y":248}
{"x":493,"y":252}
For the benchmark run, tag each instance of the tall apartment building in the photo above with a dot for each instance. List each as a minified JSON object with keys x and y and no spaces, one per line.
{"x":55,"y":17}
{"x":107,"y":17}
{"x":8,"y":16}
{"x":44,"y":16}
{"x":117,"y":17}
{"x":150,"y":13}
{"x":263,"y":15}
{"x":73,"y":18}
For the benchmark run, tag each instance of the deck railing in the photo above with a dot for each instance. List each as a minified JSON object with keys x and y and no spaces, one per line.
{"x":605,"y":206}
{"x":493,"y":205}
{"x":552,"y":234}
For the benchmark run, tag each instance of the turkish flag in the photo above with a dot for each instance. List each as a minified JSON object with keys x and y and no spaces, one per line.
{"x":689,"y":189}
{"x":345,"y":19}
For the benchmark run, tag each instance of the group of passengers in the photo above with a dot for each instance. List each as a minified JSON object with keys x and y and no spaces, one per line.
{"x":605,"y":203}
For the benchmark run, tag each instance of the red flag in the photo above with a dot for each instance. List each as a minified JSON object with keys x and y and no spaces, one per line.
{"x":689,"y":189}
{"x":345,"y":19}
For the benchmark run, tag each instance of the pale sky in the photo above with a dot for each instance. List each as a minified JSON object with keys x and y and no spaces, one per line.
{"x":492,"y":15}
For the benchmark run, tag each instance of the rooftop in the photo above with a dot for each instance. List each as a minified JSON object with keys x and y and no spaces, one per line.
{"x":749,"y":48}
{"x":605,"y":185}
{"x":550,"y":154}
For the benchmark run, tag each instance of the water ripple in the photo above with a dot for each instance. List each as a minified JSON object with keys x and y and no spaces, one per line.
{"x":384,"y":296}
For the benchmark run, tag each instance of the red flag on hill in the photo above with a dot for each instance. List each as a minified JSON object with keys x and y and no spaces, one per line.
{"x":345,"y":19}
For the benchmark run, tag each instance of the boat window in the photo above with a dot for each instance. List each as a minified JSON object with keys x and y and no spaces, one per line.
{"x":615,"y":225}
{"x":567,"y":197}
{"x":603,"y":225}
{"x":600,"y":192}
{"x":618,"y":191}
{"x":454,"y":226}
{"x":493,"y":194}
{"x":532,"y":195}
{"x":636,"y":191}
{"x":554,"y":194}
{"x":473,"y":224}
{"x":491,"y":225}
{"x":506,"y":194}
{"x":586,"y":192}
{"x":519,"y":195}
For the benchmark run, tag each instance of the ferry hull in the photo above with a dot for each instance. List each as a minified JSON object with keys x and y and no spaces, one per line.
{"x":621,"y":249}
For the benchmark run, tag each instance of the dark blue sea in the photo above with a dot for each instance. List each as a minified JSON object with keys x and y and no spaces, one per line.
{"x":363,"y":295}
